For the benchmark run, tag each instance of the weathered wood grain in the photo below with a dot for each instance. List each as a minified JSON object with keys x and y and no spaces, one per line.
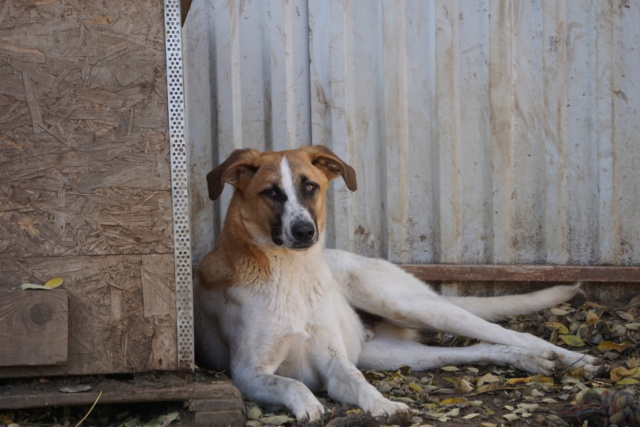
{"x":112,"y":393}
{"x":33,"y":327}
{"x":523,"y":273}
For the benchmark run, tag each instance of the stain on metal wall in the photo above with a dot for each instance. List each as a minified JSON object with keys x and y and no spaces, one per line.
{"x":482,"y":132}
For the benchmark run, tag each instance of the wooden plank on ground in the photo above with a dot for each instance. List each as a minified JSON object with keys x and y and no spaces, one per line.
{"x":523,"y":273}
{"x":33,"y":327}
{"x":126,"y":393}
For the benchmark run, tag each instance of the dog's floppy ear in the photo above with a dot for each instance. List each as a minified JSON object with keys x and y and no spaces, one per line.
{"x":235,"y":170}
{"x":332,"y":165}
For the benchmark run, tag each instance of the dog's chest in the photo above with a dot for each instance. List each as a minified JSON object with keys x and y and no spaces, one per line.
{"x":302,"y":310}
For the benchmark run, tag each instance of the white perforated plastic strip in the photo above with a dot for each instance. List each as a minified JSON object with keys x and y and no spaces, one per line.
{"x":179,"y":185}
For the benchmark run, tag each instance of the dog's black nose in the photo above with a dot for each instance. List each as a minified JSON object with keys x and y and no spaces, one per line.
{"x":303,"y":231}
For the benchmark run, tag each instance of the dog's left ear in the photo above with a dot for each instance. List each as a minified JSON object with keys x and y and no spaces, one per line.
{"x":332,"y":165}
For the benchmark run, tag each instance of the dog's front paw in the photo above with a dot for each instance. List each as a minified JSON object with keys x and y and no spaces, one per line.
{"x":310,"y":413}
{"x":392,"y":412}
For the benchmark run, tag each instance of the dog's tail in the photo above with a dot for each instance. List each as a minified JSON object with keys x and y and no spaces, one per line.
{"x":497,"y":308}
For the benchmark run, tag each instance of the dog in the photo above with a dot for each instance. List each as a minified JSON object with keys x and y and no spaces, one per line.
{"x":281,"y":313}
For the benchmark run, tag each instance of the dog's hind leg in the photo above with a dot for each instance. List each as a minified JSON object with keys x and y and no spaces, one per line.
{"x":390,"y":353}
{"x":378,"y":287}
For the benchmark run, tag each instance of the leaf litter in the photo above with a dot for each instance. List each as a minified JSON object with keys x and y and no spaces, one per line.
{"x":477,"y":395}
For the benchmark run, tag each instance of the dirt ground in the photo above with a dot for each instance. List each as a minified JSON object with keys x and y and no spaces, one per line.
{"x":454,"y":395}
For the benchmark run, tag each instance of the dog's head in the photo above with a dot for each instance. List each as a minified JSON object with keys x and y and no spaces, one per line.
{"x":280,"y":196}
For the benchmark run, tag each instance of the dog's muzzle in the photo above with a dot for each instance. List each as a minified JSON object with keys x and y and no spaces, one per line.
{"x":302,"y":234}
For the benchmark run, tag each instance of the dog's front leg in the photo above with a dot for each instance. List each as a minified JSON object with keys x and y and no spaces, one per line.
{"x":345,"y":383}
{"x":277,"y":390}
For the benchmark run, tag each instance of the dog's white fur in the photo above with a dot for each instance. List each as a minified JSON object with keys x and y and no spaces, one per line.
{"x":294,"y":329}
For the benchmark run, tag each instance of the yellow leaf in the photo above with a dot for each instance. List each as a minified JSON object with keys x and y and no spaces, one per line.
{"x":539,"y":378}
{"x":628,"y":381}
{"x":559,"y":326}
{"x":450,"y":368}
{"x":576,"y":373}
{"x":6,"y":419}
{"x":54,"y":283}
{"x":592,"y":318}
{"x":415,"y":387}
{"x":559,"y":311}
{"x":572,"y":340}
{"x":514,"y":381}
{"x":470,"y":416}
{"x":620,"y":372}
{"x":453,"y":401}
{"x":608,"y":346}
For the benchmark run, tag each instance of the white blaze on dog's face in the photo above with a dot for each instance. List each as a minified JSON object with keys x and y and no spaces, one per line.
{"x":280,"y":196}
{"x":295,"y":224}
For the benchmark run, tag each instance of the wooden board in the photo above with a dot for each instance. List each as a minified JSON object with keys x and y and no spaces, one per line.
{"x":33,"y":327}
{"x":218,"y":395}
{"x":85,"y":185}
{"x":109,"y":329}
{"x":213,"y":402}
{"x":522,"y":273}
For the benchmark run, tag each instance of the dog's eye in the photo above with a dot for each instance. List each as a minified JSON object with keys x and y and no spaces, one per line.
{"x":274,"y":194}
{"x":310,"y":187}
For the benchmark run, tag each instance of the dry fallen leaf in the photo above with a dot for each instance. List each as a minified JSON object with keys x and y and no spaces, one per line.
{"x":26,"y":286}
{"x":453,"y":401}
{"x":572,"y":340}
{"x":514,"y":381}
{"x":463,"y":386}
{"x":592,"y":318}
{"x":76,"y":388}
{"x":510,"y":417}
{"x":559,"y":326}
{"x":488,"y":378}
{"x":609,"y":346}
{"x":54,"y":283}
{"x":617,"y":374}
{"x":628,"y":381}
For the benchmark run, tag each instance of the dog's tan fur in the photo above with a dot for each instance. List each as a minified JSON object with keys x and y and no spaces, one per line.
{"x":278,"y":311}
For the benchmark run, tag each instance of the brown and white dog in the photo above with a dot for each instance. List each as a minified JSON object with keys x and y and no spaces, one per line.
{"x":279,"y":311}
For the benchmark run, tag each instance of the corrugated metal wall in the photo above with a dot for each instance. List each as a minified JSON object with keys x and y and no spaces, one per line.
{"x":482,"y":131}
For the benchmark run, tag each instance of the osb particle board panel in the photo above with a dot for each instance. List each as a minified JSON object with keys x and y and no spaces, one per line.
{"x":122,"y":311}
{"x":84,"y":153}
{"x":85,"y":188}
